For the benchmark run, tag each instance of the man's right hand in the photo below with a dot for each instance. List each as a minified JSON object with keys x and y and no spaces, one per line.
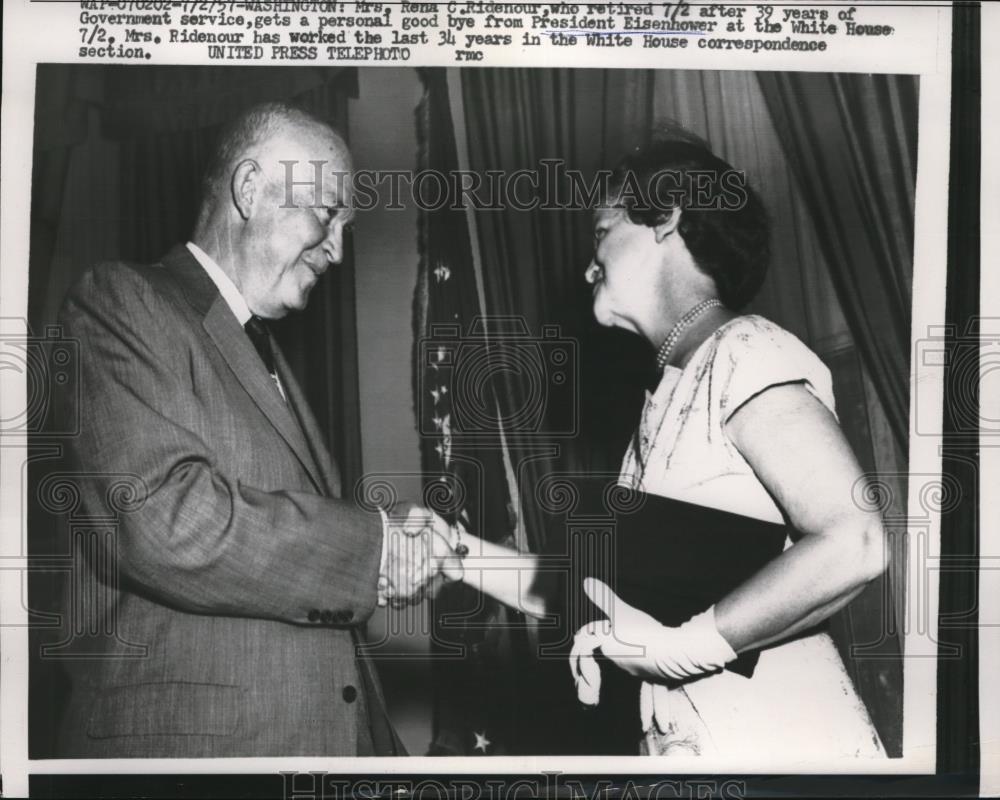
{"x":418,"y":548}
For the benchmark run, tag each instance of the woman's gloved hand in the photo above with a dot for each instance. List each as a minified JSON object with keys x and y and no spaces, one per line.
{"x":641,"y":646}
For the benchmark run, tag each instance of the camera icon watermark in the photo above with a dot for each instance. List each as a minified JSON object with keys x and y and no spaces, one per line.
{"x":972,"y":359}
{"x":462,"y":375}
{"x":50,"y":364}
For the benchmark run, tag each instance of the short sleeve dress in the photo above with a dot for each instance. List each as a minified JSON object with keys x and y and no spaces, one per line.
{"x":800,"y":702}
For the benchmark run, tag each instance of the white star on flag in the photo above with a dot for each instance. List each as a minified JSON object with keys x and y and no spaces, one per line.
{"x":481,"y":742}
{"x":438,"y":393}
{"x":446,"y":438}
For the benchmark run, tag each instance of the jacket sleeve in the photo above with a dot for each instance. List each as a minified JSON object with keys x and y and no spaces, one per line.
{"x":198,"y":538}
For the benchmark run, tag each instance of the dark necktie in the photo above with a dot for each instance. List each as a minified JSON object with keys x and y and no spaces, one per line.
{"x":260,"y":336}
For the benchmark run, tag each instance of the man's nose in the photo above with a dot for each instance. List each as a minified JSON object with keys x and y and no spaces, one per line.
{"x":333,"y":246}
{"x":593,"y":272}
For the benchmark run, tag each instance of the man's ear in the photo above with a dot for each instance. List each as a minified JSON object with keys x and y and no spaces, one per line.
{"x":669,"y":225}
{"x":245,"y":186}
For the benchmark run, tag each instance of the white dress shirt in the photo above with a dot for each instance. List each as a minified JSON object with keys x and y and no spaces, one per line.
{"x":230,"y":294}
{"x":242,"y":312}
{"x":224,"y":284}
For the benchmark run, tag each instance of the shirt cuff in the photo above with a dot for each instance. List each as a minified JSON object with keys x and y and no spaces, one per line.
{"x":385,"y":541}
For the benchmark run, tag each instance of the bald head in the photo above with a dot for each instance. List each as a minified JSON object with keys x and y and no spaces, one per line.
{"x":276,"y":200}
{"x":266,"y":132}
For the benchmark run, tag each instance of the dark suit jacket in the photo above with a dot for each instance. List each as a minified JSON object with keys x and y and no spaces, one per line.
{"x":240,"y":572}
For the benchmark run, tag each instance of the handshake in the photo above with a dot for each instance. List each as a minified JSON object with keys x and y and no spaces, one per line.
{"x":417,"y":547}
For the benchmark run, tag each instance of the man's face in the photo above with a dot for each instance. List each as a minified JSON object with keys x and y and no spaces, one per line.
{"x":296,"y":226}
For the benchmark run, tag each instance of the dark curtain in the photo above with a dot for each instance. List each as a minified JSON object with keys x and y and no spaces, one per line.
{"x":852,"y":140}
{"x":523,"y":392}
{"x":533,"y":262}
{"x":62,"y":101}
{"x":464,"y":476}
{"x":118,"y":157}
{"x":958,"y":739}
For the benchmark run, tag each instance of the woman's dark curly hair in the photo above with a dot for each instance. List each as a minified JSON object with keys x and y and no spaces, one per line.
{"x":723,"y":221}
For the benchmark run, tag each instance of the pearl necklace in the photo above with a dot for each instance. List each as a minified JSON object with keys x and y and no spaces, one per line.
{"x":663,"y":354}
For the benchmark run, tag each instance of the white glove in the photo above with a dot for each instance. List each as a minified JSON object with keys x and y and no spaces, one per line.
{"x":641,"y":646}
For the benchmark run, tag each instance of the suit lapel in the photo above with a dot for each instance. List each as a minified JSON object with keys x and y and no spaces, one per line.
{"x":238,"y":352}
{"x":307,"y":422}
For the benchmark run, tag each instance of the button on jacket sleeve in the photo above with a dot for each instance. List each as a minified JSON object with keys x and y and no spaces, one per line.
{"x":232,"y":523}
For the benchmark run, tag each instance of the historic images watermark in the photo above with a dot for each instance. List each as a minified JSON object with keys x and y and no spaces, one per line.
{"x":326,"y":786}
{"x":551,"y":186}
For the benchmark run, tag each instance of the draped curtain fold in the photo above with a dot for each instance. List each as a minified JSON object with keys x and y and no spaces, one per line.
{"x":62,"y":101}
{"x":463,"y":470}
{"x":532,"y":271}
{"x":852,"y":141}
{"x":533,"y":263}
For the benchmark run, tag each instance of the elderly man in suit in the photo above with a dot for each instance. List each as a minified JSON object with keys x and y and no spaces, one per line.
{"x":241,"y":571}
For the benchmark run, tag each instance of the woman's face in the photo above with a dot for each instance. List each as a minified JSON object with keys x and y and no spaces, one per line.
{"x":626,"y":271}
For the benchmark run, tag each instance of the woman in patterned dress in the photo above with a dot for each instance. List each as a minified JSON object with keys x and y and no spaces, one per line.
{"x":743,"y":420}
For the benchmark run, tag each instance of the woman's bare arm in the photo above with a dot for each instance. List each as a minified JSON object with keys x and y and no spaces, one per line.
{"x":511,"y":577}
{"x":796,"y":448}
